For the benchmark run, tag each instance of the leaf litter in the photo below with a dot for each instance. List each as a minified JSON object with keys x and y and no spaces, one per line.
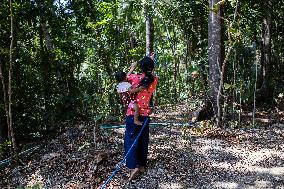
{"x":179,"y":157}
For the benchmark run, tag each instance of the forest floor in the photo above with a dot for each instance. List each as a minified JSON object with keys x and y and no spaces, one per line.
{"x":180,"y":157}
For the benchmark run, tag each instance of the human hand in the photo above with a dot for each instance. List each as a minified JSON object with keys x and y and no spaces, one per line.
{"x":132,"y":67}
{"x":152,"y":55}
{"x":134,"y":64}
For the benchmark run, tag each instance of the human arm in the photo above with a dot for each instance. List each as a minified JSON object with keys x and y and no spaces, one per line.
{"x":132,"y":68}
{"x":144,"y":84}
{"x":152,"y":55}
{"x":136,"y":90}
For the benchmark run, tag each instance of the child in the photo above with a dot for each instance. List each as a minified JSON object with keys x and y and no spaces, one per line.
{"x":128,"y":91}
{"x":127,"y":96}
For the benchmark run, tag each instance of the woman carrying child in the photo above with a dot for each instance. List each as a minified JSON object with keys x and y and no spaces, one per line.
{"x":146,"y":85}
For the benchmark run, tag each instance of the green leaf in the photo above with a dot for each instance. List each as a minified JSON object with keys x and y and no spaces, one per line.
{"x":227,"y":86}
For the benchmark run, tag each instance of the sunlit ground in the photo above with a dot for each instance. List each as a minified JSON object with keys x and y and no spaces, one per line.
{"x":179,"y":159}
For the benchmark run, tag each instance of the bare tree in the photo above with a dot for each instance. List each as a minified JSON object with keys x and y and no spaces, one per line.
{"x":214,"y":52}
{"x":10,"y":124}
{"x":266,"y":89}
{"x":149,"y":34}
{"x":149,"y":29}
{"x":5,"y":99}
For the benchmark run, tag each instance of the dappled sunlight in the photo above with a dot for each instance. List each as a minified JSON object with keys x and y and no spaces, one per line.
{"x":120,"y":131}
{"x":181,"y":144}
{"x":35,"y":179}
{"x":229,"y":185}
{"x":247,"y":158}
{"x":276,"y":171}
{"x":254,"y":156}
{"x":171,"y":185}
{"x":261,"y":184}
{"x":159,"y":136}
{"x":206,"y":144}
{"x":255,"y":161}
{"x":163,"y":147}
{"x":250,"y":158}
{"x":209,"y":142}
{"x":222,"y":165}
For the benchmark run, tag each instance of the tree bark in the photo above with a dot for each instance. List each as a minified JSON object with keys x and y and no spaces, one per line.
{"x":214,"y":53}
{"x":149,"y":30}
{"x":266,"y":89}
{"x":149,"y":36}
{"x":10,"y":126}
{"x":5,"y":105}
{"x":48,"y":40}
{"x":47,"y":59}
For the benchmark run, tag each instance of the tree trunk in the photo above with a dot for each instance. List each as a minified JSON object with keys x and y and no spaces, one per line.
{"x":2,"y":129}
{"x":149,"y":36}
{"x":10,"y":126}
{"x":48,"y":40}
{"x":214,"y":53}
{"x":46,"y":80}
{"x":149,"y":30}
{"x":266,"y":89}
{"x":47,"y":59}
{"x":47,"y":37}
{"x":176,"y":67}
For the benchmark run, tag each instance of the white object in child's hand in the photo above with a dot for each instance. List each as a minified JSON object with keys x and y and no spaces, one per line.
{"x":123,"y":87}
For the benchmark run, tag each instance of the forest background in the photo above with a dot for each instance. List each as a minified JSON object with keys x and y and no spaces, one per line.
{"x":58,"y":60}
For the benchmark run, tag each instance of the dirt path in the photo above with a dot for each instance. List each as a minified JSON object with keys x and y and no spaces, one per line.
{"x":179,"y":158}
{"x":220,"y":159}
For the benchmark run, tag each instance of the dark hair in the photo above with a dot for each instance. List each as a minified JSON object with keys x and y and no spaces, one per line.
{"x":120,"y":76}
{"x":147,"y":66}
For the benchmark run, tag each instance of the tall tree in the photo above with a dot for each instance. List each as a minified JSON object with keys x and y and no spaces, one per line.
{"x":149,"y":34}
{"x":149,"y":29}
{"x":266,"y":63}
{"x":214,"y":52}
{"x":2,"y":128}
{"x":47,"y":57}
{"x":10,"y":124}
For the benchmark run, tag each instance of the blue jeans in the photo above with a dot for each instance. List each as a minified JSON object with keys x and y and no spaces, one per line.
{"x":138,"y":154}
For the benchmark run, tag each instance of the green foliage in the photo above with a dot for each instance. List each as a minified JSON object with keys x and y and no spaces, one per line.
{"x":4,"y":147}
{"x":94,"y":39}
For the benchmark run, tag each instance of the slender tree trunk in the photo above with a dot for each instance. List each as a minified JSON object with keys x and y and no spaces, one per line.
{"x":47,"y":60}
{"x":234,"y":81}
{"x":176,"y":66}
{"x":51,"y":47}
{"x":5,"y":99}
{"x":186,"y":58}
{"x":214,"y":54}
{"x":254,"y":91}
{"x":266,"y":89}
{"x":48,"y":40}
{"x":149,"y":30}
{"x":10,"y":126}
{"x":46,"y":80}
{"x":261,"y":66}
{"x":149,"y":36}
